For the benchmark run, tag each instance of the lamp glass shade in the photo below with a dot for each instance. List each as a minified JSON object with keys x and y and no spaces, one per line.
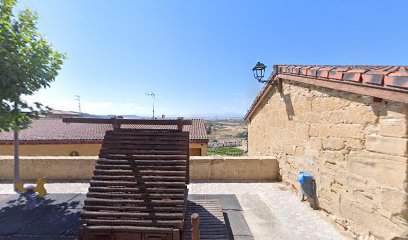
{"x":259,"y":71}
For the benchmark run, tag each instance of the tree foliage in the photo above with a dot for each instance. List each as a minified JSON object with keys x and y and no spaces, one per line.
{"x":243,"y":134}
{"x":27,"y":63}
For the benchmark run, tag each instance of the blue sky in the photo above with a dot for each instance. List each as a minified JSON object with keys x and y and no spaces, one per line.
{"x":197,"y":55}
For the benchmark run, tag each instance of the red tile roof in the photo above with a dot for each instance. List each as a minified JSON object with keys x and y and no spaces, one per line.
{"x":388,"y":82}
{"x":53,"y":129}
{"x":385,"y":76}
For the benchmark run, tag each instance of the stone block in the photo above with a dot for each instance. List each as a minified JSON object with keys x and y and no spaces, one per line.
{"x":354,"y":144}
{"x":367,"y":219}
{"x":333,"y":117}
{"x":333,"y":143}
{"x":388,"y":145}
{"x":356,"y":182}
{"x":314,"y":117}
{"x":299,"y":151}
{"x":331,"y":160}
{"x":322,"y":104}
{"x":316,"y":143}
{"x":395,"y":202}
{"x":346,"y":131}
{"x":319,"y":130}
{"x":393,"y":128}
{"x":381,"y":168}
{"x":360,"y":114}
{"x":397,"y":110}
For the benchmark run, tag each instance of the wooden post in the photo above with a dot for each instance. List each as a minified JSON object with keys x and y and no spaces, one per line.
{"x":280,"y":87}
{"x":115,"y":124}
{"x":176,"y":234}
{"x":195,"y":226}
{"x":180,"y":124}
{"x":377,"y":100}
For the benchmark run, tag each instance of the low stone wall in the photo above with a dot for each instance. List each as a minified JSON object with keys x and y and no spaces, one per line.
{"x":201,"y":168}
{"x":53,"y":168}
{"x":234,"y":168}
{"x":354,"y":146}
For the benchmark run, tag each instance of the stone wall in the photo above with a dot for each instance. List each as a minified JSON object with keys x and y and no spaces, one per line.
{"x":201,"y":168}
{"x":234,"y":168}
{"x":356,"y":149}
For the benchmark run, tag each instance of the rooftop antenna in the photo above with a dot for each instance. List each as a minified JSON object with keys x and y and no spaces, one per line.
{"x":153,"y":97}
{"x":78,"y":98}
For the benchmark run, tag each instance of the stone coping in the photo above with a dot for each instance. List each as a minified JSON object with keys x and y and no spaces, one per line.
{"x":9,"y":157}
{"x":201,"y":168}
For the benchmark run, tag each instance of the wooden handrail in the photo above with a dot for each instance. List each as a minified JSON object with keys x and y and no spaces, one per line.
{"x":116,"y":122}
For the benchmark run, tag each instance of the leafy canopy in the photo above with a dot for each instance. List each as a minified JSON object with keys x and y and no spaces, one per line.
{"x":27,"y":63}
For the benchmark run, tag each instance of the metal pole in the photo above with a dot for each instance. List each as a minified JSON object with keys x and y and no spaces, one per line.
{"x":16,"y":179}
{"x":154,"y":97}
{"x":153,"y":105}
{"x":78,"y":98}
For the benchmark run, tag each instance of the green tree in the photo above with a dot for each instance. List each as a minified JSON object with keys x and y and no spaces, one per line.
{"x":27,"y":63}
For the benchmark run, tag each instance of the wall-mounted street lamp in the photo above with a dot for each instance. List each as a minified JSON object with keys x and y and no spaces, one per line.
{"x":259,"y":72}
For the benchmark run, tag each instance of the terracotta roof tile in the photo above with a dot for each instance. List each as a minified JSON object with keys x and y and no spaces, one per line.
{"x":385,"y":78}
{"x":304,"y":70}
{"x":397,"y":78}
{"x":313,"y":71}
{"x":324,"y":72}
{"x":53,"y":129}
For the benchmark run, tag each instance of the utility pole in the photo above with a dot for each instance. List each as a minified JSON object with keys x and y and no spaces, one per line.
{"x":153,"y":97}
{"x":78,"y":98}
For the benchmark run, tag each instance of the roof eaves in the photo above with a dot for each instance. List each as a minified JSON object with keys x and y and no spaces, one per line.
{"x":387,"y":82}
{"x":264,"y":92}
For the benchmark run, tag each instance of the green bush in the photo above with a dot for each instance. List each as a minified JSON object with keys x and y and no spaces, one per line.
{"x":243,"y":134}
{"x":226,"y":151}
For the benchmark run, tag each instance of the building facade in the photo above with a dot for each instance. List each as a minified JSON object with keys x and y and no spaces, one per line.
{"x":52,"y":137}
{"x":347,"y":126}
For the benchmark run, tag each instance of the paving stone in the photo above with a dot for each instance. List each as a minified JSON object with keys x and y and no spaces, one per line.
{"x":228,"y":201}
{"x":14,"y":218}
{"x":57,"y":222}
{"x":238,"y":225}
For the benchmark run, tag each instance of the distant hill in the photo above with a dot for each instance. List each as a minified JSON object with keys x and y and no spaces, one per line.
{"x":213,"y":116}
{"x":110,"y":116}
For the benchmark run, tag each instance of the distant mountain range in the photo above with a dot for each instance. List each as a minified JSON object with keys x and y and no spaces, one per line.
{"x":213,"y":116}
{"x":207,"y":116}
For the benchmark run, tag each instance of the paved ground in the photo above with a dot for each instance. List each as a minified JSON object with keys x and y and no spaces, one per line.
{"x":57,"y":217}
{"x":270,"y":209}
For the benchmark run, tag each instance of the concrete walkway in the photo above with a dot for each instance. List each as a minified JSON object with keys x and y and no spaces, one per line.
{"x":270,"y":209}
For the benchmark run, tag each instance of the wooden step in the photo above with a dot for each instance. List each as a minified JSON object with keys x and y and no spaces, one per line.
{"x":142,"y":172}
{"x":141,"y":195}
{"x":130,"y":189}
